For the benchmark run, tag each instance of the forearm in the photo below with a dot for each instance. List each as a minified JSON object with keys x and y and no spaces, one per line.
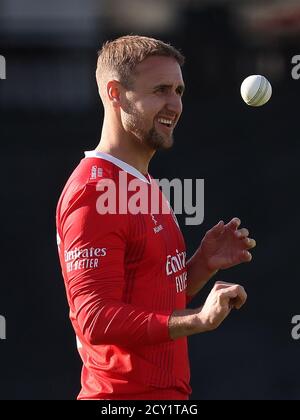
{"x":198,"y":274}
{"x":184,"y":323}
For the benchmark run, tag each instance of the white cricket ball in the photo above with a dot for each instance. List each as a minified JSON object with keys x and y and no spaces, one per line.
{"x":256,"y":90}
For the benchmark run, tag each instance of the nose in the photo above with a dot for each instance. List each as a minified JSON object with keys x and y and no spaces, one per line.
{"x":174,"y":103}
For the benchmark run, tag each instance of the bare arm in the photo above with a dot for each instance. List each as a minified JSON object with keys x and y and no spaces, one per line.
{"x":222,"y":298}
{"x":198,"y":274}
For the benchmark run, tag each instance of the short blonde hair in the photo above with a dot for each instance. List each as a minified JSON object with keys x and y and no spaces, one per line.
{"x":120,"y":56}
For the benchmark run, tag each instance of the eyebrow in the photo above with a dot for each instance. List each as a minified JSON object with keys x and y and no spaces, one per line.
{"x":181,"y":86}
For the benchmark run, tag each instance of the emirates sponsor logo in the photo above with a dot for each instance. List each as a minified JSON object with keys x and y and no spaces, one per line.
{"x":83,"y":258}
{"x":181,"y":282}
{"x":84,"y":252}
{"x":176,"y":263}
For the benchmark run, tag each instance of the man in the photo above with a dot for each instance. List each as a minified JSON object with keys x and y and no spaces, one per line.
{"x":125,"y":272}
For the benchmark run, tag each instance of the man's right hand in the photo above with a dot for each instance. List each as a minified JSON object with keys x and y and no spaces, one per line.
{"x":222,"y":298}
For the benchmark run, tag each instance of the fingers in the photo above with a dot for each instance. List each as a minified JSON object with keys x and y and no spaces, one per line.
{"x":222,"y":298}
{"x":239,"y":233}
{"x":222,"y":285}
{"x":245,"y":256}
{"x":249,"y":243}
{"x":234,"y":223}
{"x":234,"y":295}
{"x":239,"y":301}
{"x":242,"y":233}
{"x":217,"y":229}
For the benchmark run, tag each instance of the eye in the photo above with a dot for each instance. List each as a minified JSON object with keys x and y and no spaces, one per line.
{"x":180,"y":91}
{"x":161,"y":89}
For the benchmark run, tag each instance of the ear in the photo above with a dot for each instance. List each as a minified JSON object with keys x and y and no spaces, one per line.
{"x":113,"y":92}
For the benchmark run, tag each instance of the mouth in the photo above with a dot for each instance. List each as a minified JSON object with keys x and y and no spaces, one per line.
{"x":166,"y":123}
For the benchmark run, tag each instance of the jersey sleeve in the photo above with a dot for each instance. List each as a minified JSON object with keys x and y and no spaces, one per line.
{"x":92,"y":252}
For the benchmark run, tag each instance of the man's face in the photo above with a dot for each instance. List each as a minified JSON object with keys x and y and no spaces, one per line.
{"x":153,"y":104}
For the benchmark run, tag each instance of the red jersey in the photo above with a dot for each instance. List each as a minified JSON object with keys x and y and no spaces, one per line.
{"x":124,"y":273}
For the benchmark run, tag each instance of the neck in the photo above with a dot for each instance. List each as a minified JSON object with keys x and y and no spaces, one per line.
{"x":124,"y":146}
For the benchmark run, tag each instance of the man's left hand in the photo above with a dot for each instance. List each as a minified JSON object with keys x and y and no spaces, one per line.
{"x":225,"y":246}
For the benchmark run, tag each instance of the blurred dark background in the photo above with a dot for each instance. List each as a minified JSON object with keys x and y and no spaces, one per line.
{"x":249,"y":157}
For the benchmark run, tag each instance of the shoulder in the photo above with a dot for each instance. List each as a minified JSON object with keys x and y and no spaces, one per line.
{"x":84,"y":179}
{"x":81,"y":198}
